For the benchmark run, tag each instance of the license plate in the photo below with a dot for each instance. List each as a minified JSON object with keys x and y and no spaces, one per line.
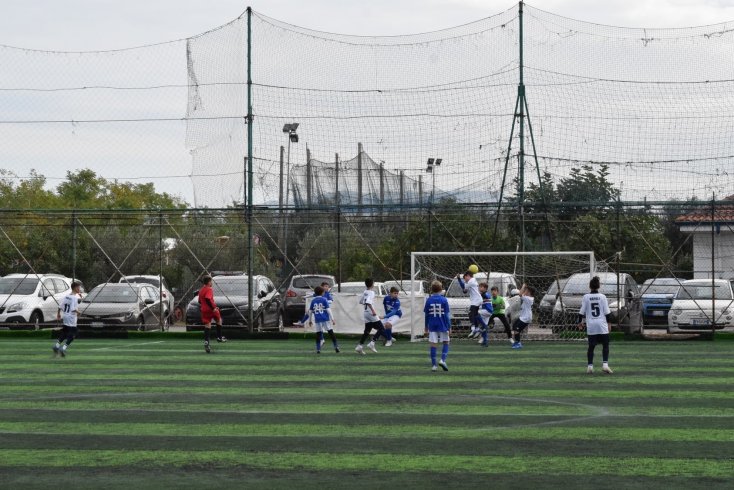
{"x":658,"y":313}
{"x":97,"y":325}
{"x":700,"y":321}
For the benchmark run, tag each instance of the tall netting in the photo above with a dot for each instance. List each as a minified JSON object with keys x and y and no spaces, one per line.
{"x":555,"y":309}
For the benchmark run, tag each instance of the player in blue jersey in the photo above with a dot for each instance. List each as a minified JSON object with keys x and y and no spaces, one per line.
{"x":437,"y":324}
{"x":320,"y":314}
{"x":393,"y":314}
{"x":327,"y":294}
{"x":485,"y":313}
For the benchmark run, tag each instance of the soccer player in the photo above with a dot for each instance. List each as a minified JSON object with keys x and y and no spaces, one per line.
{"x":498,"y":304}
{"x":209,"y":312}
{"x":371,"y":320}
{"x":329,"y":298}
{"x":595,"y":314}
{"x":485,"y":313}
{"x":393,"y":313}
{"x":470,"y":285}
{"x":526,"y":314}
{"x":437,"y":324}
{"x":320,"y":313}
{"x":69,"y":311}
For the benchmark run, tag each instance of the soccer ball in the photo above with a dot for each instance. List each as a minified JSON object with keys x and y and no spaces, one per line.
{"x":473,"y":268}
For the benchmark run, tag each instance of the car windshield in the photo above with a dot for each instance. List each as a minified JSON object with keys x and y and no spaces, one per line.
{"x":579,"y":285}
{"x":18,"y":285}
{"x":310,"y":282}
{"x":353,"y":288}
{"x":659,"y":288}
{"x":142,"y":280}
{"x":703,"y":291}
{"x":454,"y":290}
{"x":113,"y":293}
{"x":553,"y":289}
{"x":226,"y":287}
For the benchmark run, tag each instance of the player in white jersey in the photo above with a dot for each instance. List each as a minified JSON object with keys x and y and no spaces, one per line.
{"x":594,"y":314}
{"x":470,"y":285}
{"x":371,"y":320}
{"x":527,"y":297}
{"x":69,"y":312}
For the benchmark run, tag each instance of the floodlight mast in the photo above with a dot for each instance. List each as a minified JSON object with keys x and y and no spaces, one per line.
{"x":431,"y":166}
{"x":290,"y":130}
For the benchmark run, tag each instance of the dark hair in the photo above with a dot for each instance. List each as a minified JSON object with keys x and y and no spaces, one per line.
{"x":369,"y":282}
{"x":75,"y":284}
{"x":325,"y":284}
{"x":318,"y":291}
{"x":531,"y":290}
{"x":495,"y":288}
{"x":206,"y":279}
{"x":483,"y":285}
{"x":595,"y":283}
{"x":436,"y":287}
{"x":394,"y":290}
{"x":468,"y":273}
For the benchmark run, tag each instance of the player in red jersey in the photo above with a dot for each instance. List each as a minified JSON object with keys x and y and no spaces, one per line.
{"x":209,"y":312}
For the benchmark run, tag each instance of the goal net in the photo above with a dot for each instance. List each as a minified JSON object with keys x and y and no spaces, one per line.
{"x":555,"y":309}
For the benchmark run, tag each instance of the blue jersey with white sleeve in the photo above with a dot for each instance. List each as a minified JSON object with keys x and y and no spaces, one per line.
{"x":392,"y":307}
{"x":320,"y":309}
{"x":487,"y":302}
{"x":437,"y":313}
{"x":328,"y":296}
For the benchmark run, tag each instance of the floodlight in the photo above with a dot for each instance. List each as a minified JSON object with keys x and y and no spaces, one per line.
{"x":294,"y":137}
{"x":429,"y":169}
{"x":289,"y":128}
{"x":430,"y":162}
{"x":438,"y":161}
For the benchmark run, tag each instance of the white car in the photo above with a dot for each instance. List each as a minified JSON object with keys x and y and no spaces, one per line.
{"x":420,"y":287}
{"x":358,"y":288}
{"x":459,"y":300}
{"x":160,"y":284}
{"x":694,"y":306}
{"x":29,"y":299}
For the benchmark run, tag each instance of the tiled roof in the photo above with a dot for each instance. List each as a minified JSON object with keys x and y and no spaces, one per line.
{"x":722,"y":213}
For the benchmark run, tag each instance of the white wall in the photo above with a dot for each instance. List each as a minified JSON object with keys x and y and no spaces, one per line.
{"x":723,"y":253}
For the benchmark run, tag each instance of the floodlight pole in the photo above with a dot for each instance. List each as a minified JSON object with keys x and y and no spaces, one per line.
{"x":250,"y":251}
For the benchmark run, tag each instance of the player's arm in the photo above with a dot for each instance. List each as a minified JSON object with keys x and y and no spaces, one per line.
{"x":461,"y":283}
{"x":582,"y":313}
{"x":331,"y":317}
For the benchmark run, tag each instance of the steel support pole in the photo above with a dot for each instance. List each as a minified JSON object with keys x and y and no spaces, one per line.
{"x":250,"y":251}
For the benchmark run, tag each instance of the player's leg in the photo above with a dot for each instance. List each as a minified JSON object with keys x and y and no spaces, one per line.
{"x":218,"y":319}
{"x":474,"y":321}
{"x":593,"y":340}
{"x":444,"y":337}
{"x":604,"y":339}
{"x":433,"y":339}
{"x":360,"y":347}
{"x":506,"y":324}
{"x":389,"y":323}
{"x":70,"y":336}
{"x":319,"y":338}
{"x":60,"y":339}
{"x":484,"y":318}
{"x":380,"y":330}
{"x":517,"y":327}
{"x":332,"y":336}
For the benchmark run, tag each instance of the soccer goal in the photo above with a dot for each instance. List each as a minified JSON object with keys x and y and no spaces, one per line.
{"x":559,"y":279}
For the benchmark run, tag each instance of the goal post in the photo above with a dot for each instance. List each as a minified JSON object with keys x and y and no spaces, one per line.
{"x":554,"y":316}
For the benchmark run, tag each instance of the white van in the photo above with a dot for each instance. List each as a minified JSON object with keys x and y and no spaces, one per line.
{"x":29,"y":299}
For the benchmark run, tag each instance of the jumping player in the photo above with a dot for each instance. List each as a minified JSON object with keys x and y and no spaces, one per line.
{"x":470,"y":285}
{"x":209,"y":312}
{"x":437,"y":324}
{"x":485,"y":313}
{"x":69,"y":311}
{"x":526,"y":314}
{"x":320,"y":313}
{"x":371,"y":320}
{"x":594,"y":315}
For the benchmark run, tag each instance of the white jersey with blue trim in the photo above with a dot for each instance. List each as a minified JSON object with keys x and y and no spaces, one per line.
{"x":595,"y":307}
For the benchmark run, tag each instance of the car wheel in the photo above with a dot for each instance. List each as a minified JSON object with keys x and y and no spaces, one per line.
{"x":36,"y":319}
{"x":140,"y":326}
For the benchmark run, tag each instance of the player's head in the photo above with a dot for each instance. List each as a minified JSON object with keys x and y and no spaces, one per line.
{"x":468,"y":275}
{"x":495,"y":291}
{"x":394,"y":292}
{"x":483,"y":286}
{"x":436,"y":287}
{"x":206,"y":280}
{"x":529,"y":291}
{"x":369,"y":282}
{"x":318,"y":291}
{"x":326,"y":286}
{"x":76,"y":286}
{"x":595,"y":283}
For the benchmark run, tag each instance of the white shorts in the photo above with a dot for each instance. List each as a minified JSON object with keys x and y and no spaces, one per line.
{"x":484,"y":314}
{"x":436,"y":337}
{"x":322,"y":327}
{"x":392,"y":320}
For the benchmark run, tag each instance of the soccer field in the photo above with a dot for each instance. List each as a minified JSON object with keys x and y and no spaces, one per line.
{"x":156,"y":413}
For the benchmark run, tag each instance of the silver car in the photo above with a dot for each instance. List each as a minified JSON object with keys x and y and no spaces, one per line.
{"x":121,"y":305}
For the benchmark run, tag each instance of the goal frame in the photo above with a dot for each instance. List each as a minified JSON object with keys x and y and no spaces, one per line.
{"x":414,"y":337}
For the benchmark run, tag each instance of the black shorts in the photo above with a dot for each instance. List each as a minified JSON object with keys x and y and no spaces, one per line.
{"x":373,"y":325}
{"x":473,"y":313}
{"x":519,"y":325}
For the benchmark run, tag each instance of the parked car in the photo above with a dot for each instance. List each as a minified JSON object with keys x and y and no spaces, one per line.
{"x":295,"y":295}
{"x":115,"y":305}
{"x":459,"y":301}
{"x":405,"y":286}
{"x":28,"y":300}
{"x":621,"y":291}
{"x":231,"y":296}
{"x":657,"y":296}
{"x":548,"y":301}
{"x":698,"y":302}
{"x":358,"y":288}
{"x":159,"y":282}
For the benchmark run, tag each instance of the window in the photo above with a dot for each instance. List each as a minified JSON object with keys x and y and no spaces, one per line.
{"x":61,"y":285}
{"x":48,"y":287}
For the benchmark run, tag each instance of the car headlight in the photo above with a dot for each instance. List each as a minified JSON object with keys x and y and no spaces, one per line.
{"x":16,"y":307}
{"x":129,"y":314}
{"x":677,"y":311}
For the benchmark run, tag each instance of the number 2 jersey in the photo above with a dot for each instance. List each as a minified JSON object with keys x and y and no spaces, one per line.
{"x":595,"y":308}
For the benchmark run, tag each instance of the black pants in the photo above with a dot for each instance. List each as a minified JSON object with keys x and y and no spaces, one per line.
{"x":474,"y":316}
{"x":504,"y":321}
{"x":518,"y":326}
{"x":603,"y":339}
{"x":368,"y":327}
{"x":68,"y":334}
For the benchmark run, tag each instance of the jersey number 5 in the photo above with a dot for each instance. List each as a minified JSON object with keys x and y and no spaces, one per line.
{"x":595,"y":310}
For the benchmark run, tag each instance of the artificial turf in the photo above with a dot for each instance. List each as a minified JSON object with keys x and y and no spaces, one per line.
{"x":272,"y":414}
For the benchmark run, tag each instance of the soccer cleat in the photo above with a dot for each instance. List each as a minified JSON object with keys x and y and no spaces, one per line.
{"x":510,"y":339}
{"x":298,"y":324}
{"x":590,"y":370}
{"x":321,"y":343}
{"x":336,"y":349}
{"x":388,"y":343}
{"x":222,"y":339}
{"x":56,"y":350}
{"x":207,"y":348}
{"x":484,"y":344}
{"x":434,"y":368}
{"x":318,"y":352}
{"x":62,"y":351}
{"x":607,"y":370}
{"x":517,"y":345}
{"x":359,"y":349}
{"x":443,"y":365}
{"x":371,"y":346}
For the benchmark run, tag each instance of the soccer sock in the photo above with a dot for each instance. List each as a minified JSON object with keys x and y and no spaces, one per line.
{"x":605,"y":352}
{"x":69,"y":339}
{"x":319,"y":338}
{"x":590,"y":355}
{"x":332,"y":336}
{"x":433,"y":355}
{"x":485,"y":336}
{"x":444,"y":352}
{"x":207,"y":334}
{"x":517,"y":336}
{"x":366,"y":334}
{"x":64,"y":347}
{"x":58,"y":344}
{"x":388,"y":333}
{"x":219,"y":331}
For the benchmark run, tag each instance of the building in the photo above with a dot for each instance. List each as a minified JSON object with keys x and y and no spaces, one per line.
{"x":699,"y":223}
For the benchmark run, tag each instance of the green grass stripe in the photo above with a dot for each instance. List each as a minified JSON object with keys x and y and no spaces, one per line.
{"x":591,"y":466}
{"x":390,"y":430}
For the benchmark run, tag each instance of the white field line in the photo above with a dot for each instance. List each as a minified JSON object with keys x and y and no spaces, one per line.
{"x":128,"y":345}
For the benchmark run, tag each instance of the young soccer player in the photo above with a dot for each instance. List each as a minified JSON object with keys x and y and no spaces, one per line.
{"x":594,"y":313}
{"x":69,"y":311}
{"x":327,"y":294}
{"x":527,"y":294}
{"x":371,"y":320}
{"x":437,"y":324}
{"x":209,"y":312}
{"x":471,"y":286}
{"x":485,"y":313}
{"x":498,"y":304}
{"x":393,"y":313}
{"x":320,"y":313}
